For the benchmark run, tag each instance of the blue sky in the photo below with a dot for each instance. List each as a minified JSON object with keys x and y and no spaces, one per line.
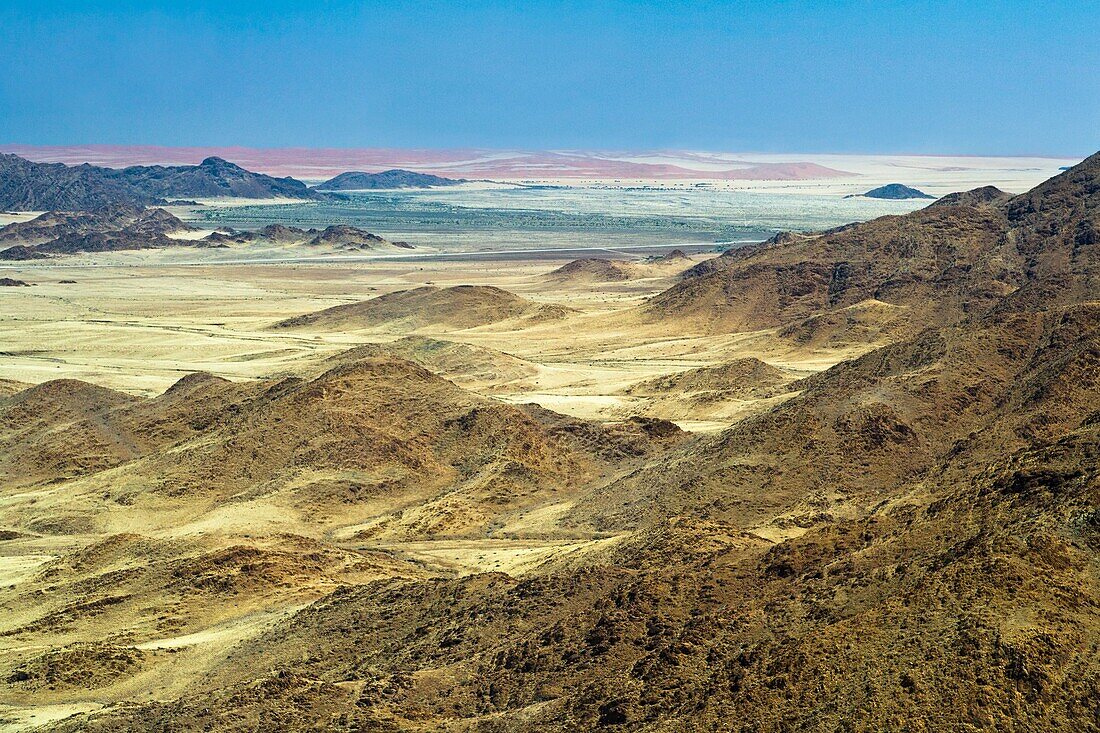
{"x":961,"y":77}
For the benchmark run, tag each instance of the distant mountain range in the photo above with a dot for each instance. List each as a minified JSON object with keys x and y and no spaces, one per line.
{"x":120,"y":227}
{"x":394,"y":178}
{"x":30,"y":186}
{"x":470,"y":163}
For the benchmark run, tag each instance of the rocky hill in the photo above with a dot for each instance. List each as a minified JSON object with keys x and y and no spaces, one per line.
{"x":592,"y":269}
{"x":344,"y":236}
{"x":28,"y":186}
{"x":985,"y":195}
{"x":461,"y":363}
{"x":53,"y":224}
{"x":336,"y":236}
{"x":461,"y":306}
{"x":745,"y":377}
{"x":111,"y":228}
{"x":395,"y":178}
{"x":895,"y":191}
{"x":937,"y":263}
{"x":213,"y":177}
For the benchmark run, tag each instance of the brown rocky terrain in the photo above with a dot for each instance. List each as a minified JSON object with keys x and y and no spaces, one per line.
{"x":938,"y":263}
{"x":461,"y":306}
{"x":748,"y":376}
{"x":458,"y":362}
{"x":590,"y":270}
{"x":906,"y":540}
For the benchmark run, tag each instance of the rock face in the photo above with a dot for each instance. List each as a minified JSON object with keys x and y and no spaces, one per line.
{"x":395,"y":178}
{"x":28,"y":186}
{"x":895,"y":191}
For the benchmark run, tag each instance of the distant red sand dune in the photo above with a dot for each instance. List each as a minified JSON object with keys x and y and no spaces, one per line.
{"x":455,"y":163}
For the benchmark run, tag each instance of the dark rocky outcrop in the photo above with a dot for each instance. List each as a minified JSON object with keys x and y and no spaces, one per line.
{"x":53,"y":224}
{"x":22,"y":252}
{"x":395,"y":178}
{"x":339,"y":236}
{"x":345,"y":236}
{"x":30,"y":186}
{"x":107,"y":229}
{"x":894,"y":191}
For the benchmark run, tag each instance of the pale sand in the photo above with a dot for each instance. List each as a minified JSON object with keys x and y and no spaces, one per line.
{"x":141,"y":328}
{"x":11,"y":217}
{"x":15,"y":718}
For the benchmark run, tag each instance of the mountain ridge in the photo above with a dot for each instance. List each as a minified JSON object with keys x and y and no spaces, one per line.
{"x":392,"y":178}
{"x":29,"y":186}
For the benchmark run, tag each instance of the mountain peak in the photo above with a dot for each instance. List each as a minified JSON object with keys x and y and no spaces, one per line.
{"x":973,"y":197}
{"x":215,"y":162}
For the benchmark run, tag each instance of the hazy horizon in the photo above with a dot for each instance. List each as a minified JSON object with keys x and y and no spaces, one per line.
{"x":841,"y":172}
{"x":926,"y":78}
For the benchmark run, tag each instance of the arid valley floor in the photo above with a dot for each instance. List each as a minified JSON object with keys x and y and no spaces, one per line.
{"x":830,"y":477}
